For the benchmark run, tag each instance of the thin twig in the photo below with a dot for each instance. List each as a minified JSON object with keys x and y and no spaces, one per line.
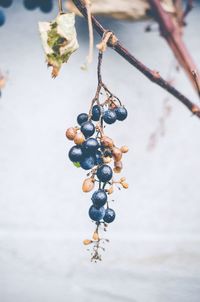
{"x":150,"y":74}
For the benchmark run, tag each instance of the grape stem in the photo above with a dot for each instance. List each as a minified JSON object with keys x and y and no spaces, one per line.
{"x":152,"y":75}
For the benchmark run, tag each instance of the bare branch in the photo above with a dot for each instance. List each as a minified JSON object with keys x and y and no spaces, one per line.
{"x":150,"y":74}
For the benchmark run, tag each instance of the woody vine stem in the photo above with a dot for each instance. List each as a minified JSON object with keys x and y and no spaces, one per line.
{"x":152,"y":75}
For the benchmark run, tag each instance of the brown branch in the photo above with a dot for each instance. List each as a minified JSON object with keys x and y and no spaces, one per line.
{"x":150,"y":74}
{"x":171,"y":30}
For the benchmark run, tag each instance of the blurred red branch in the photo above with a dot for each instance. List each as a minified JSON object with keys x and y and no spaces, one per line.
{"x":171,"y":30}
{"x":150,"y":74}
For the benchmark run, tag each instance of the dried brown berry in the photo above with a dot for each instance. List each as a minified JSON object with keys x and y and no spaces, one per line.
{"x":87,"y":241}
{"x":107,"y":141}
{"x":124,"y":149}
{"x":79,"y":138}
{"x":95,"y":236}
{"x":88,"y":185}
{"x":118,"y":167}
{"x":70,"y":133}
{"x":124,"y":185}
{"x":110,"y":190}
{"x":117,"y":154}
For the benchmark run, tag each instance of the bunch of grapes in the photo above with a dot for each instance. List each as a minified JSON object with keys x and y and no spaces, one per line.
{"x":45,"y":5}
{"x":97,"y":153}
{"x":4,"y":4}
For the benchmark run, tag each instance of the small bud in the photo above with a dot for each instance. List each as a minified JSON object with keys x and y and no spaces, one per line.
{"x":124,"y":149}
{"x":110,"y":190}
{"x":117,"y":154}
{"x":107,"y":141}
{"x":124,"y":185}
{"x":87,"y":241}
{"x":106,"y":160}
{"x":79,"y":138}
{"x":95,"y":236}
{"x":88,"y":184}
{"x":122,"y":179}
{"x":70,"y":133}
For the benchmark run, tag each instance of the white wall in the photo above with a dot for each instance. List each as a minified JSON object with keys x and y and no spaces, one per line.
{"x":154,"y":250}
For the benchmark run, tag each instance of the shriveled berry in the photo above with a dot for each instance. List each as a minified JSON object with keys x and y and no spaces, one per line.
{"x":87,"y":241}
{"x":109,"y":215}
{"x":104,"y":173}
{"x":82,"y":118}
{"x":88,"y":162}
{"x":79,"y":138}
{"x":88,"y":184}
{"x":99,"y":198}
{"x":71,"y":133}
{"x":88,"y":129}
{"x":109,"y":116}
{"x":121,"y":113}
{"x":118,"y":167}
{"x":96,"y":112}
{"x":117,"y":154}
{"x":90,"y":145}
{"x":96,"y":214}
{"x":75,"y":154}
{"x":107,"y":141}
{"x":124,"y":149}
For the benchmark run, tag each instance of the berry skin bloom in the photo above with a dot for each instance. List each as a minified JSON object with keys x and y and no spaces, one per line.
{"x":109,"y":116}
{"x":75,"y":154}
{"x":82,"y":118}
{"x":88,"y":162}
{"x":121,"y":113}
{"x":99,"y":198}
{"x":109,"y":215}
{"x":104,"y":173}
{"x":87,"y":129}
{"x":96,"y":113}
{"x":96,"y":214}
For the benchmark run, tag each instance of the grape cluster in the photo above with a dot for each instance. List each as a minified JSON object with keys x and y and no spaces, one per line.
{"x":4,"y":4}
{"x":95,"y":151}
{"x":45,"y":6}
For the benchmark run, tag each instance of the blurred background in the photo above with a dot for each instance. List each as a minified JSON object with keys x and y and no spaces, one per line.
{"x":154,"y":249}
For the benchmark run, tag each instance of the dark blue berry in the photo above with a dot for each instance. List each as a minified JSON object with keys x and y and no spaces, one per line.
{"x":109,"y":116}
{"x":104,"y":173}
{"x":99,"y":198}
{"x":109,"y":215}
{"x":99,"y":159}
{"x":46,"y":6}
{"x":2,"y":18}
{"x":96,"y":214}
{"x":30,"y":4}
{"x":75,"y":154}
{"x":87,"y":129}
{"x":5,"y":3}
{"x":96,"y":112}
{"x":88,"y":162}
{"x":90,"y":145}
{"x":82,"y":118}
{"x":121,"y":113}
